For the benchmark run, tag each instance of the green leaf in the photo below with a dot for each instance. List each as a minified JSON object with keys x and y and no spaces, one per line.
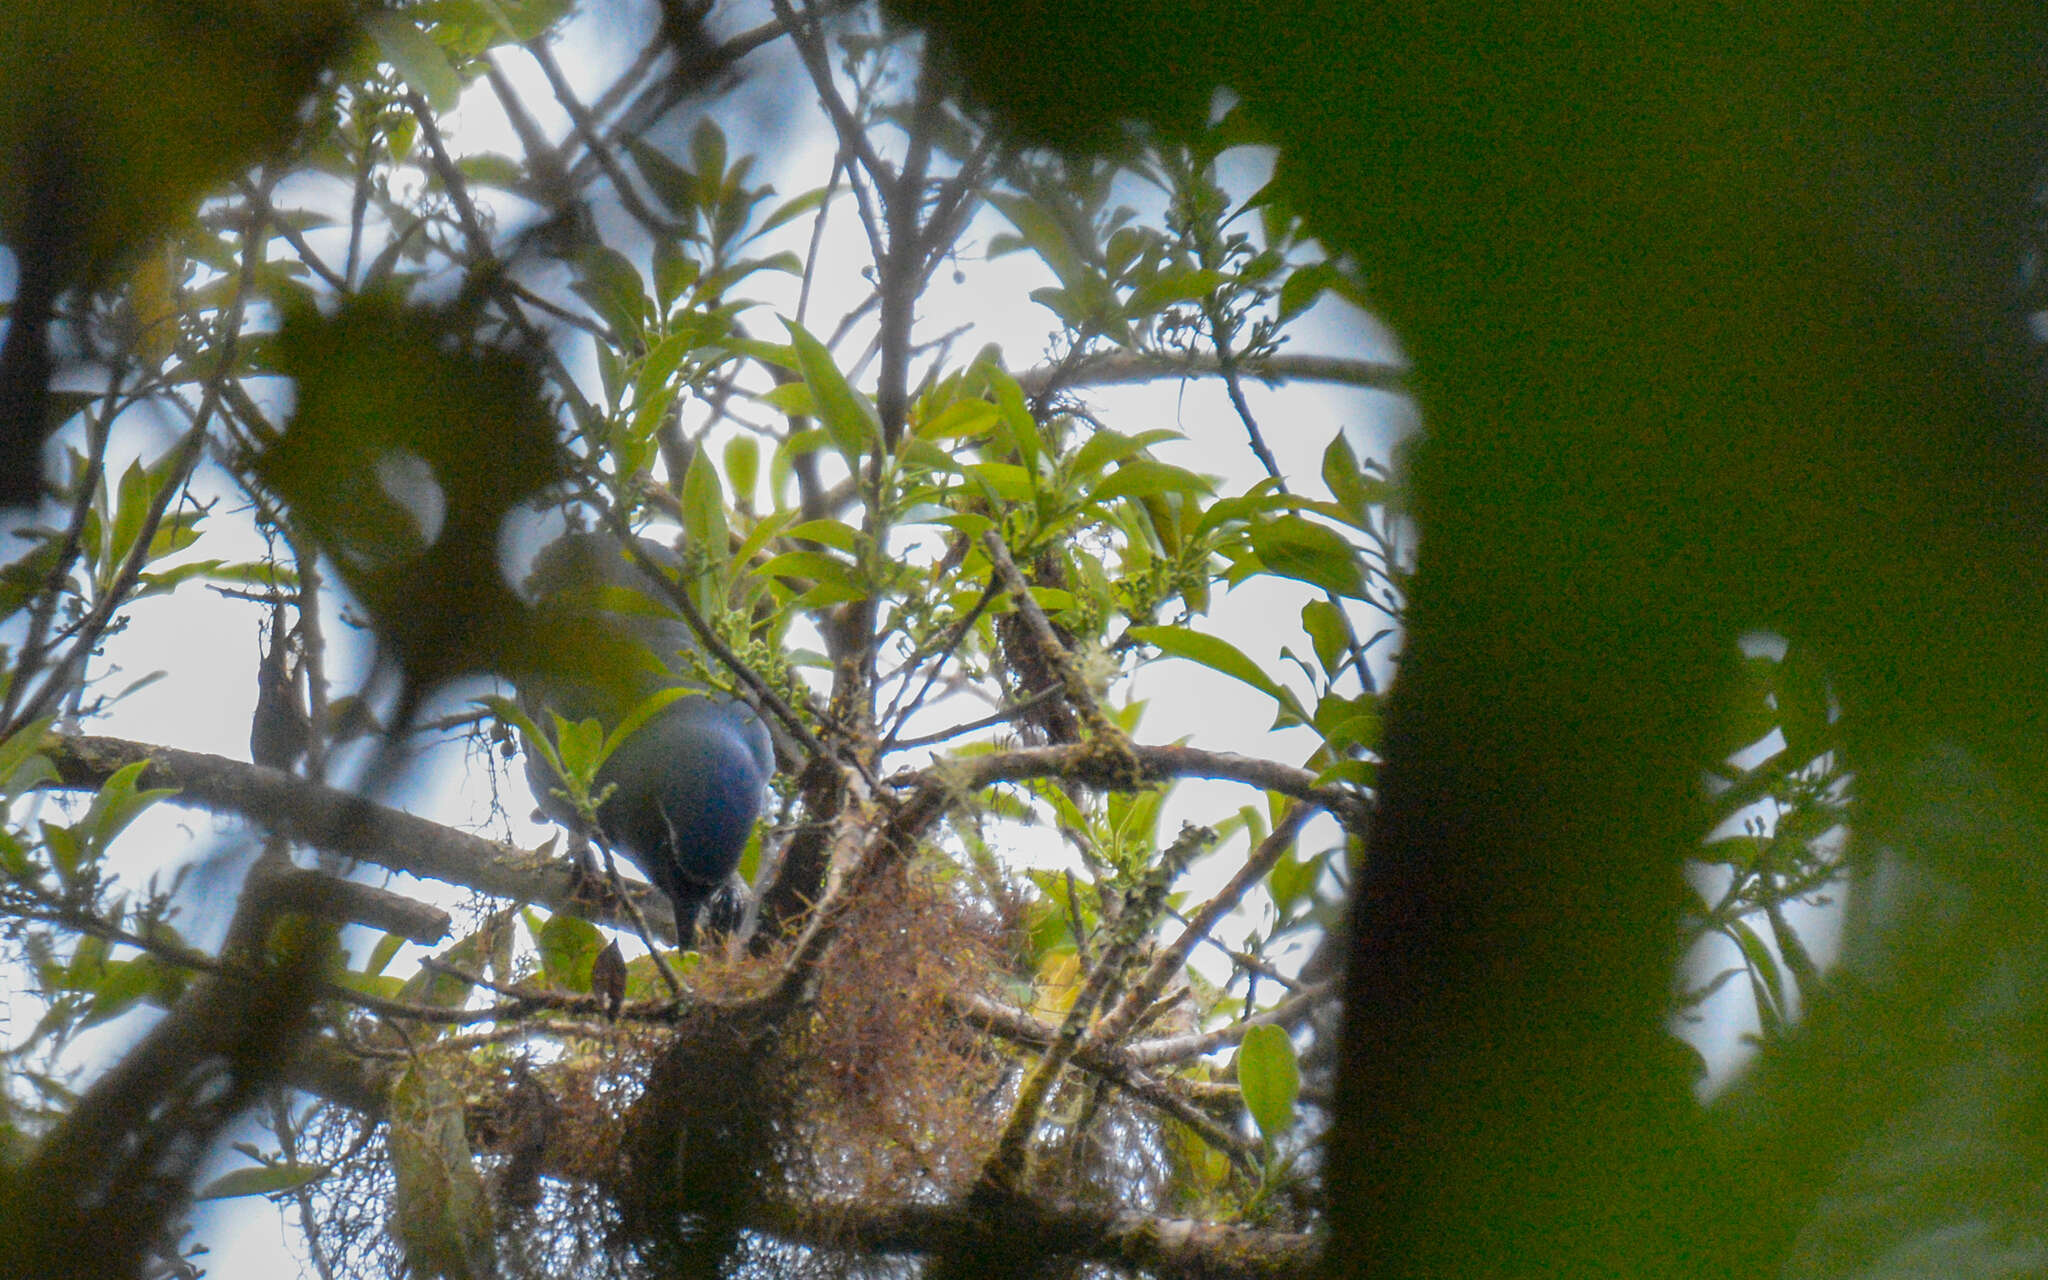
{"x":440,"y":1210}
{"x":120,"y":803}
{"x":1005,"y":481}
{"x":707,"y":152}
{"x":1292,"y":879}
{"x":511,"y":713}
{"x":961,"y":420}
{"x":1739,"y":852}
{"x":130,"y":509}
{"x":1106,"y":446}
{"x":1763,"y":968}
{"x":1348,"y":723}
{"x":1217,"y":654}
{"x":611,"y":284}
{"x":848,"y":416}
{"x":1016,"y":415}
{"x":795,"y":207}
{"x":674,"y":271}
{"x":1269,"y":1078}
{"x":837,"y":534}
{"x":415,"y":56}
{"x":489,"y":169}
{"x":832,"y":579}
{"x":1144,"y":477}
{"x":1357,"y":773}
{"x":1301,"y":289}
{"x":581,"y":746}
{"x":1299,"y":548}
{"x":530,"y":19}
{"x":1181,"y":284}
{"x":1042,"y":231}
{"x":381,"y":955}
{"x":663,"y":361}
{"x":124,"y":982}
{"x":567,"y":946}
{"x":765,"y":529}
{"x":646,"y":709}
{"x":262,"y":1180}
{"x":675,"y":186}
{"x":792,"y":399}
{"x":1355,"y":491}
{"x":67,"y":851}
{"x":22,"y":762}
{"x":1329,"y":632}
{"x":445,"y":990}
{"x":743,"y":469}
{"x":704,"y":508}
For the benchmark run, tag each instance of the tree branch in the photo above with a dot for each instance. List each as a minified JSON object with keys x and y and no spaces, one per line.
{"x":1140,"y":1241}
{"x":1080,"y":762}
{"x":1289,"y":1012}
{"x":1115,"y":368}
{"x":336,"y":821}
{"x":1117,"y":1023}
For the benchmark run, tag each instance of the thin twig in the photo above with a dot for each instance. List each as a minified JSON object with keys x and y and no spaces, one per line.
{"x":1007,"y":1165}
{"x":1004,"y":716}
{"x":1172,"y":958}
{"x":1290,"y":1012}
{"x":586,"y":129}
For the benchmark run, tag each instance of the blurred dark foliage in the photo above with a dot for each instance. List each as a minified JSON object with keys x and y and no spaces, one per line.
{"x":410,"y":443}
{"x":116,"y":116}
{"x":1716,"y":326}
{"x":703,"y":1142}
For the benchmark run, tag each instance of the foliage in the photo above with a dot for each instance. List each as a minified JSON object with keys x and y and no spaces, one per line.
{"x":936,"y":573}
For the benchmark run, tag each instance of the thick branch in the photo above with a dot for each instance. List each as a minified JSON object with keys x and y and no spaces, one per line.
{"x":1082,"y":763}
{"x":1048,"y":640}
{"x":1142,"y":1242}
{"x":1123,"y":367}
{"x":345,"y":902}
{"x":335,"y":821}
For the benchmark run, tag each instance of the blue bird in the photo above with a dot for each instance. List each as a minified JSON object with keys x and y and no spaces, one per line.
{"x":688,"y":784}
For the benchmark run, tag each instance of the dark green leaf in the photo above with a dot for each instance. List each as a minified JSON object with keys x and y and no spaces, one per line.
{"x":1301,"y":289}
{"x":1218,"y":655}
{"x":675,"y":186}
{"x":1294,"y":547}
{"x":1356,"y":492}
{"x":1182,"y":284}
{"x":1329,"y":632}
{"x":567,"y":945}
{"x":1042,"y":231}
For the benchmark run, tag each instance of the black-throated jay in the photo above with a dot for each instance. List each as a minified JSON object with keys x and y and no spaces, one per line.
{"x":686,"y":787}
